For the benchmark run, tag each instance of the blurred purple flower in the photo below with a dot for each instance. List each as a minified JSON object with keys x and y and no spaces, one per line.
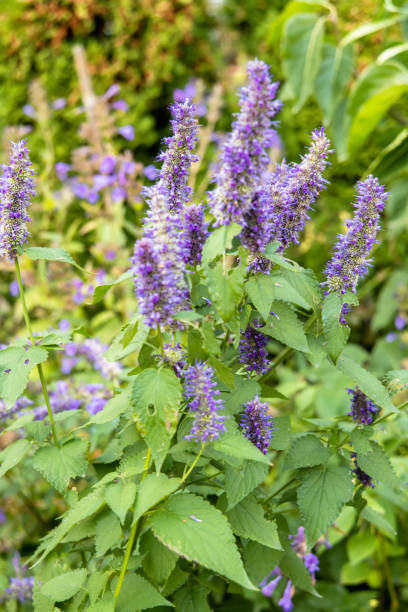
{"x":59,"y":104}
{"x":62,"y":170}
{"x":127,"y":131}
{"x":113,"y":90}
{"x":151,"y":172}
{"x":107,"y":165}
{"x":120,"y":105}
{"x":14,"y":289}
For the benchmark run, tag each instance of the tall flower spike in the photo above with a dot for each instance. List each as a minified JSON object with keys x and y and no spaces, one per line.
{"x":257,"y":424}
{"x":16,"y":189}
{"x":195,"y":233}
{"x":295,"y":188}
{"x":362,"y":409}
{"x":244,"y":157}
{"x":350,"y":259}
{"x":252,"y":350}
{"x":200,"y":389}
{"x":178,"y":156}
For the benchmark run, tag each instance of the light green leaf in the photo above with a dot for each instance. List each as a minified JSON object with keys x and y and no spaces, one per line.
{"x":12,"y":455}
{"x":377,"y":519}
{"x":155,"y":397}
{"x":360,"y":546}
{"x":219,"y":241}
{"x":237,"y":445}
{"x":101,"y":290}
{"x":108,"y":533}
{"x":152,"y":490}
{"x":59,"y":464}
{"x":113,"y":408}
{"x":391,"y":52}
{"x":158,"y":561}
{"x":360,"y":439}
{"x":51,"y":255}
{"x":305,"y":284}
{"x":120,"y":496}
{"x":386,"y":303}
{"x":64,"y":586}
{"x":16,"y":364}
{"x":336,"y":334}
{"x":335,"y":72}
{"x":282,"y":434}
{"x":96,"y":583}
{"x":261,"y":291}
{"x":193,"y":528}
{"x":368,"y":383}
{"x":138,"y":594}
{"x":226,"y":287}
{"x":306,"y":451}
{"x":248,"y":521}
{"x":240,"y":482}
{"x":302,"y":49}
{"x":321,"y":495}
{"x":378,"y":466}
{"x":368,"y":28}
{"x":286,"y":328}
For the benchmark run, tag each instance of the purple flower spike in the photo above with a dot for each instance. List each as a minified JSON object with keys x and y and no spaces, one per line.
{"x":362,"y":409}
{"x":361,"y":476}
{"x":178,"y":156}
{"x":286,"y":601}
{"x":258,"y":230}
{"x":253,"y":352}
{"x":257,"y":424}
{"x":200,"y":389}
{"x":244,"y":157}
{"x":16,"y":191}
{"x":350,"y":259}
{"x":195,"y":233}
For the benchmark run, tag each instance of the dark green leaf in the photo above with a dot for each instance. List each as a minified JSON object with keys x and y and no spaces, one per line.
{"x":306,"y":451}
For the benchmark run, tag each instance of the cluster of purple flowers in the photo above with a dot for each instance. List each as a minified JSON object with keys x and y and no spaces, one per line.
{"x":190,"y":92}
{"x":20,"y":587}
{"x":175,"y":356}
{"x":16,"y":189}
{"x":195,"y":233}
{"x":252,"y":350}
{"x":93,"y":351}
{"x":362,"y":409}
{"x":16,"y":410}
{"x":350,"y":259}
{"x":361,"y":476}
{"x":200,"y":389}
{"x":311,"y":562}
{"x":244,"y":158}
{"x":257,"y":424}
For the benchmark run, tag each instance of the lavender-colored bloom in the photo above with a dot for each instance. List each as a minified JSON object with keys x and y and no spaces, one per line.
{"x":175,"y":356}
{"x":257,"y":424}
{"x":286,"y":600}
{"x":252,"y":350}
{"x":68,"y":364}
{"x":178,"y":156}
{"x":298,"y":541}
{"x":296,"y":188}
{"x":391,"y":337}
{"x":29,"y":110}
{"x":92,"y":197}
{"x":195,"y":233}
{"x":244,"y":157}
{"x":151,"y":172}
{"x":311,"y":562}
{"x":16,"y":189}
{"x":112,"y":91}
{"x":400,"y":322}
{"x":269,"y":588}
{"x":64,"y":325}
{"x":61,"y":400}
{"x":59,"y":103}
{"x":95,"y":396}
{"x":107,"y":165}
{"x":3,"y":518}
{"x":362,"y":409}
{"x":188,"y":93}
{"x":62,"y":170}
{"x":361,"y":476}
{"x":200,"y":389}
{"x":93,"y":351}
{"x":81,"y":190}
{"x":127,"y":131}
{"x":257,"y":230}
{"x":119,"y":194}
{"x":350,"y":259}
{"x":20,"y":587}
{"x":120,"y":105}
{"x":101,"y":181}
{"x":14,"y":289}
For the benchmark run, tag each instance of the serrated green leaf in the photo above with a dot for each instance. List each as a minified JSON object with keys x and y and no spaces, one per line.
{"x":158,"y":561}
{"x":293,"y":567}
{"x":306,"y":451}
{"x":336,"y":334}
{"x":120,"y":496}
{"x":59,"y":464}
{"x":226,"y":287}
{"x":368,"y":383}
{"x":64,"y":586}
{"x":237,"y":445}
{"x":49,"y":254}
{"x":12,"y":455}
{"x":101,"y":290}
{"x":240,"y":482}
{"x":248,"y":521}
{"x":152,"y":490}
{"x":155,"y":397}
{"x":261,"y":291}
{"x":192,"y":598}
{"x":16,"y":363}
{"x":193,"y":528}
{"x":360,"y":440}
{"x":108,"y":533}
{"x":222,"y":371}
{"x":282,"y":434}
{"x":305,"y":284}
{"x":286,"y":327}
{"x":138,"y":594}
{"x":244,"y":390}
{"x":321,"y":495}
{"x":377,"y":465}
{"x":96,"y":583}
{"x":219,"y":241}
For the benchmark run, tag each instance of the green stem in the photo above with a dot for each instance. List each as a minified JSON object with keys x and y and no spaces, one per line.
{"x":132,"y":535}
{"x":279,"y":490}
{"x":192,"y":466}
{"x":39,"y":366}
{"x":388,"y":578}
{"x":160,"y":337}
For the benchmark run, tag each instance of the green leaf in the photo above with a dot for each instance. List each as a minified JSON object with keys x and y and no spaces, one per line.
{"x":226,"y":287}
{"x":12,"y":455}
{"x":360,"y":439}
{"x":237,"y":445}
{"x":376,"y":90}
{"x":306,"y":451}
{"x":305,"y":284}
{"x":244,"y":390}
{"x":335,"y":72}
{"x":152,"y":490}
{"x":59,"y":464}
{"x":336,"y":334}
{"x":248,"y":521}
{"x":138,"y":594}
{"x":386,"y":303}
{"x":293,"y":567}
{"x":261,"y":291}
{"x":378,"y":466}
{"x":377,"y":519}
{"x":112,"y":409}
{"x":101,"y":290}
{"x":108,"y":533}
{"x":192,"y":598}
{"x":368,"y":28}
{"x":193,"y":528}
{"x":321,"y":495}
{"x":16,"y":364}
{"x":240,"y":482}
{"x":64,"y":586}
{"x":158,"y":561}
{"x":96,"y":583}
{"x":155,"y":396}
{"x":360,"y":546}
{"x":120,"y":496}
{"x":223,"y":372}
{"x":302,"y":50}
{"x":219,"y":241}
{"x":282,"y":434}
{"x":368,"y":383}
{"x":286,"y":328}
{"x":51,"y":255}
